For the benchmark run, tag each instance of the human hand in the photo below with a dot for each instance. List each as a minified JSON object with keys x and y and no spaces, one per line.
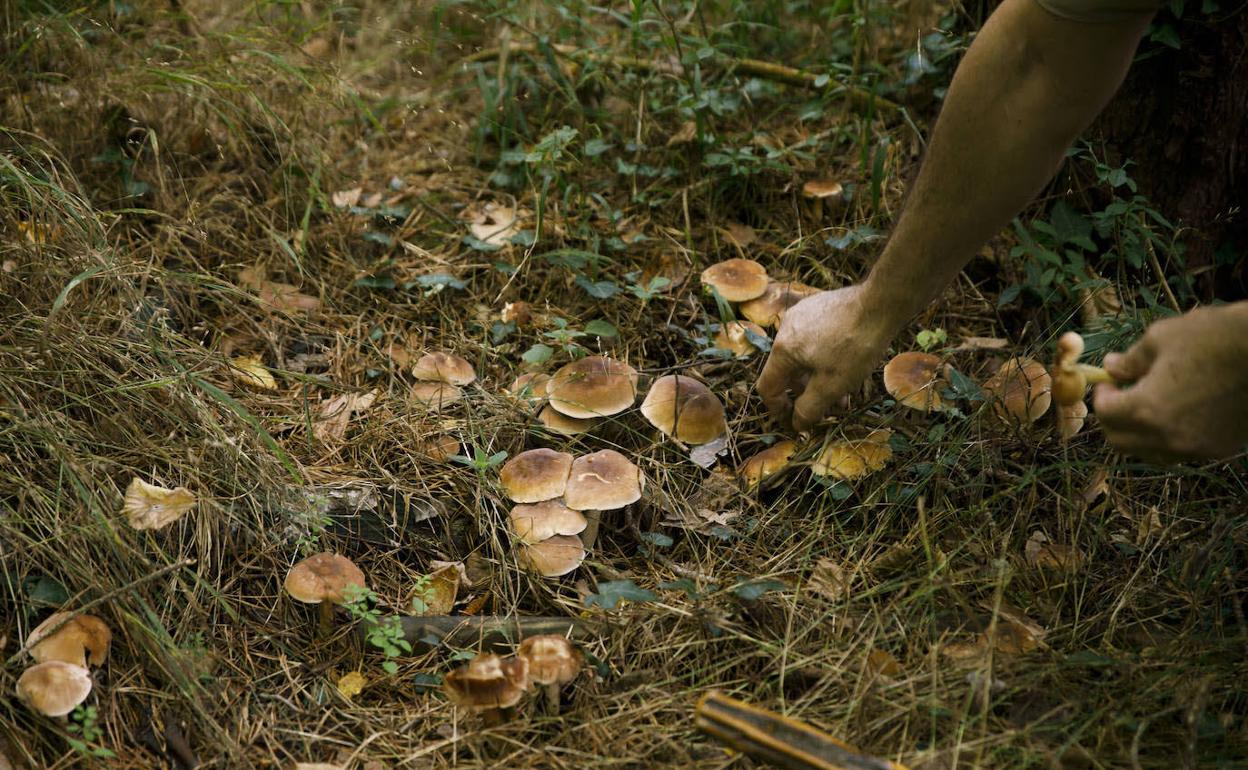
{"x":1189,"y":400}
{"x":827,"y":345}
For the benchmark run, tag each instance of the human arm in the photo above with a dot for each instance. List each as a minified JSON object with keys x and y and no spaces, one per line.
{"x":1027,"y":87}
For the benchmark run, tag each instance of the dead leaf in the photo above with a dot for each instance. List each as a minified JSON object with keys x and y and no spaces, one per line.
{"x":705,"y":455}
{"x":372,"y":200}
{"x":1043,"y":554}
{"x":335,"y":415}
{"x":966,"y":653}
{"x":518,"y":313}
{"x":882,"y":663}
{"x":1147,"y":525}
{"x":1097,"y":486}
{"x":351,"y":684}
{"x":436,"y":592}
{"x":702,"y":520}
{"x":347,"y":198}
{"x":684,"y":135}
{"x":251,"y":372}
{"x":740,"y":235}
{"x":828,"y":578}
{"x":1016,"y":633}
{"x":494,"y":224}
{"x":982,"y":343}
{"x":148,"y":506}
{"x":437,"y":564}
{"x":670,"y":265}
{"x":478,"y":604}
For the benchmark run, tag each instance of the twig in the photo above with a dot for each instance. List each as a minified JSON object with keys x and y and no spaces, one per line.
{"x":1156,"y":265}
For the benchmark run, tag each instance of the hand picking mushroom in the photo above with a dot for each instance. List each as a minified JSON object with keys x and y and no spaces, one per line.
{"x":1071,"y":378}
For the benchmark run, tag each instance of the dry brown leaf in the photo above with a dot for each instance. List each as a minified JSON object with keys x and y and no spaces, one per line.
{"x":351,"y":684}
{"x":670,"y":265}
{"x":437,"y":564}
{"x":828,"y":578}
{"x":1097,"y":485}
{"x":1147,"y":525}
{"x":494,"y":224}
{"x":251,"y":372}
{"x":740,"y":235}
{"x":684,"y":135}
{"x":335,"y":415}
{"x":1043,"y":554}
{"x":347,"y":198}
{"x":437,"y":594}
{"x":372,"y":200}
{"x":882,"y":663}
{"x":982,"y":343}
{"x":966,"y":653}
{"x":148,"y":506}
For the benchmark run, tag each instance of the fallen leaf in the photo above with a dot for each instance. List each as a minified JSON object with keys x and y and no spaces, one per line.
{"x":437,"y":564}
{"x":494,"y":224}
{"x":436,"y":592}
{"x":705,"y":455}
{"x":372,"y":200}
{"x":1043,"y":554}
{"x":251,"y":372}
{"x":351,"y":684}
{"x":882,"y":663}
{"x":828,"y":578}
{"x":347,"y":198}
{"x":1147,"y":525}
{"x":148,"y":506}
{"x":966,"y":653}
{"x":684,"y":135}
{"x":1097,"y":486}
{"x":669,"y":265}
{"x":982,"y":343}
{"x":740,"y":235}
{"x":335,"y":414}
{"x":478,"y":604}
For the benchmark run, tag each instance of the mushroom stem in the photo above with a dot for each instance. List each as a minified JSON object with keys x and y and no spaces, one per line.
{"x":1094,"y":375}
{"x":325,"y":622}
{"x":492,"y":717}
{"x":590,"y":534}
{"x":552,"y":698}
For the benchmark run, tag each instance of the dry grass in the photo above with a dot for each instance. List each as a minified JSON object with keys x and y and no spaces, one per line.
{"x":239,"y":123}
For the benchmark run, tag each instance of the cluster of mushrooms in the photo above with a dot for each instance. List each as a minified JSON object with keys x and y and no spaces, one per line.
{"x":63,"y":647}
{"x":492,"y":685}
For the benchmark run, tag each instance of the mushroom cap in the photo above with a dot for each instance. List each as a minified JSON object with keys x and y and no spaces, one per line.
{"x":1069,"y":384}
{"x":54,"y":688}
{"x":80,"y":640}
{"x":854,"y":458}
{"x":685,"y":409}
{"x":553,"y":556}
{"x":602,"y":481}
{"x":766,"y":463}
{"x":552,"y":659}
{"x":444,"y":367}
{"x":542,"y":521}
{"x":535,"y":475}
{"x":488,"y":682}
{"x":558,"y":422}
{"x":823,"y":188}
{"x":1070,"y":418}
{"x":439,"y":448}
{"x":911,"y":379}
{"x":323,"y":577}
{"x":768,"y":309}
{"x":530,"y":386}
{"x":736,"y":280}
{"x":436,"y":395}
{"x":1022,"y":390}
{"x":148,"y":506}
{"x":594,"y":386}
{"x":731,"y":336}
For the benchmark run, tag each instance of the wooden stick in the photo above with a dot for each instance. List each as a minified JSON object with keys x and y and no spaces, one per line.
{"x":779,"y":740}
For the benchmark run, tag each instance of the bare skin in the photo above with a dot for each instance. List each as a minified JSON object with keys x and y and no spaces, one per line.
{"x":1026,"y":88}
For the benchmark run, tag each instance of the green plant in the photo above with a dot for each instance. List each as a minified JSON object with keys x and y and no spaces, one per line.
{"x":931,"y":338}
{"x":386,"y":634}
{"x":480,"y":461}
{"x":82,"y":722}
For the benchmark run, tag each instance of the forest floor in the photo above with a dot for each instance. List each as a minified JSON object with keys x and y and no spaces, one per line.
{"x":337,"y":188}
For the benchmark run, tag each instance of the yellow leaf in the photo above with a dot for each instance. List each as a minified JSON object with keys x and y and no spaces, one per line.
{"x":437,"y":591}
{"x":251,"y":372}
{"x":351,"y":684}
{"x":148,"y":506}
{"x":883,"y":663}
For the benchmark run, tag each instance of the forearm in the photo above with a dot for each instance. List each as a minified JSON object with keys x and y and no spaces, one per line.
{"x":1027,"y":87}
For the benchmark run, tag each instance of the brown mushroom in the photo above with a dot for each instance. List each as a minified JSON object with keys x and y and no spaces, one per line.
{"x":542,"y":521}
{"x":1020,"y":390}
{"x":914,"y":379}
{"x":1071,"y":378}
{"x":768,"y":310}
{"x":325,"y":579}
{"x":435,"y":395}
{"x":602,"y":481}
{"x":535,"y":475}
{"x":530,"y":386}
{"x":554,"y":556}
{"x":736,"y":280}
{"x":1070,"y":418}
{"x":685,"y":409}
{"x":558,"y":422}
{"x":54,"y":688}
{"x":766,"y":463}
{"x":79,"y":640}
{"x":854,"y":458}
{"x":488,"y":684}
{"x":819,"y":191}
{"x":553,"y":662}
{"x":595,"y":386}
{"x":444,"y":367}
{"x":732,"y":337}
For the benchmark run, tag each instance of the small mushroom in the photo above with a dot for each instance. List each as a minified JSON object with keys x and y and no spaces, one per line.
{"x":913,"y":379}
{"x":766,"y":463}
{"x":325,"y":579}
{"x":732,"y":337}
{"x":854,"y":458}
{"x":1071,"y":378}
{"x":553,"y":662}
{"x":54,"y":688}
{"x":595,"y":386}
{"x":436,"y":396}
{"x":148,"y":506}
{"x":1021,"y":391}
{"x":736,"y":280}
{"x":488,"y":684}
{"x":685,"y":409}
{"x":1070,"y":419}
{"x":536,"y":475}
{"x":602,"y":481}
{"x":768,"y":310}
{"x":554,"y":556}
{"x":542,"y":521}
{"x":444,"y":367}
{"x":78,"y":640}
{"x":558,"y":422}
{"x":821,"y":191}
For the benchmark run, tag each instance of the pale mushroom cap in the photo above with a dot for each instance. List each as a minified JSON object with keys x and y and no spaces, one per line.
{"x":766,"y":463}
{"x":444,"y":367}
{"x":731,"y":336}
{"x":558,"y":422}
{"x":554,"y":556}
{"x":823,"y":188}
{"x":855,"y":458}
{"x":436,"y":395}
{"x":913,"y":378}
{"x":736,"y":280}
{"x":1069,"y":384}
{"x":552,"y":659}
{"x":536,"y":475}
{"x":54,"y":688}
{"x":685,"y":409}
{"x":542,"y":521}
{"x":602,"y":481}
{"x":595,"y":386}
{"x":323,"y":577}
{"x":148,"y":506}
{"x":82,"y":639}
{"x":530,"y":386}
{"x":1070,"y":419}
{"x":768,"y":309}
{"x":488,"y":682}
{"x":1022,"y":390}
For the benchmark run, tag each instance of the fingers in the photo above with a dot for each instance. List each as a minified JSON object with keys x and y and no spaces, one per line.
{"x":779,"y":374}
{"x":823,"y":393}
{"x":1123,"y":418}
{"x":1134,"y":363}
{"x":1116,"y":408}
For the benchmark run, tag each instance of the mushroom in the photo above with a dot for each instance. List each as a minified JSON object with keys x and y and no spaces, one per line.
{"x":530,"y":386}
{"x":854,"y":458}
{"x":1071,"y":378}
{"x":685,"y":409}
{"x":766,"y":463}
{"x":554,"y":556}
{"x":1070,"y":419}
{"x":558,"y":422}
{"x":439,"y":448}
{"x":536,"y":475}
{"x":912,"y":378}
{"x":768,"y":309}
{"x":595,"y":386}
{"x":602,"y":481}
{"x":69,"y":639}
{"x":148,"y":506}
{"x":324,"y":579}
{"x":1021,"y":390}
{"x":553,"y":662}
{"x":732,"y":337}
{"x":444,"y":367}
{"x":488,"y":684}
{"x":819,"y":190}
{"x":435,"y":395}
{"x":542,"y":521}
{"x":54,"y":688}
{"x":736,"y":280}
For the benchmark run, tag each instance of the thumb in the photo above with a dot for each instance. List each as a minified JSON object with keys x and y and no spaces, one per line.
{"x":1134,"y":363}
{"x":822,"y":393}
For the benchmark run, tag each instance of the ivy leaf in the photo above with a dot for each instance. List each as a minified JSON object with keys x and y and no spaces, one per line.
{"x":538,"y":354}
{"x":612,"y":592}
